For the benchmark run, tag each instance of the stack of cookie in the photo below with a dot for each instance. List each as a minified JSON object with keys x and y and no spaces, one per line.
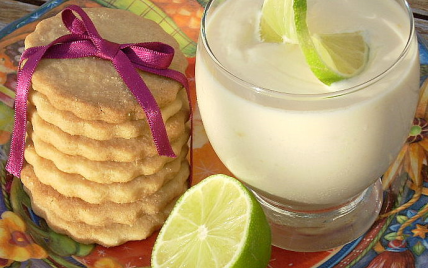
{"x":92,"y":169}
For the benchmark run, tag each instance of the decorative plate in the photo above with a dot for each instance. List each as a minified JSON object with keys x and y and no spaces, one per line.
{"x":26,"y":241}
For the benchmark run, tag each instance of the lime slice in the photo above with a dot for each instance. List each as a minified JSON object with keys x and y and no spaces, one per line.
{"x":216,"y":223}
{"x":277,"y":22}
{"x":345,"y":53}
{"x":331,"y":57}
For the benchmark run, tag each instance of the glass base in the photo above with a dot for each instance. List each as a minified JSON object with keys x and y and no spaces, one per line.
{"x":311,"y":231}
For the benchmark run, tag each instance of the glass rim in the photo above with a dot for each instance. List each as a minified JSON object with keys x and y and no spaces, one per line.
{"x":278,"y":94}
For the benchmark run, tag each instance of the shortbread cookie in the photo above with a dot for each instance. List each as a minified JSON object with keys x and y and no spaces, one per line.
{"x":75,"y":209}
{"x":117,"y":149}
{"x":95,"y":129}
{"x":110,"y":235}
{"x":90,"y":90}
{"x":97,"y":171}
{"x":73,"y":185}
{"x":90,"y":87}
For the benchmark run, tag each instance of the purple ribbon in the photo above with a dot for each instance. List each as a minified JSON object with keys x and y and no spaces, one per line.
{"x":85,"y":41}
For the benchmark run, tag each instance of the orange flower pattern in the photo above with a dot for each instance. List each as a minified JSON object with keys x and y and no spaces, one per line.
{"x":15,"y":243}
{"x":414,"y":153}
{"x":411,"y":160}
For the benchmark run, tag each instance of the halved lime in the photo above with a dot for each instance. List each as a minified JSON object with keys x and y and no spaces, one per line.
{"x":215,"y":224}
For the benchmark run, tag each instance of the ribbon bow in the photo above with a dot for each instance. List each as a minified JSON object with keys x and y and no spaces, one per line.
{"x":85,"y":41}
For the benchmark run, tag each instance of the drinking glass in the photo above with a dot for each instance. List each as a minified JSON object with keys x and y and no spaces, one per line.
{"x":314,"y":161}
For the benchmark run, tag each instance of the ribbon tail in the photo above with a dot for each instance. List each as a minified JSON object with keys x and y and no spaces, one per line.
{"x":146,"y":100}
{"x":170,"y":73}
{"x":16,"y":156}
{"x":173,"y":74}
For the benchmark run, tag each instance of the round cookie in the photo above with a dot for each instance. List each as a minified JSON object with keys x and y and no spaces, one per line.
{"x":74,"y":185}
{"x":108,"y":236}
{"x":117,"y":149}
{"x":90,"y":87}
{"x":105,"y":172}
{"x":95,"y":129}
{"x":75,"y":209}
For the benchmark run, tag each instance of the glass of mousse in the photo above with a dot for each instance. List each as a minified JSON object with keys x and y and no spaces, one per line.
{"x":312,"y":153}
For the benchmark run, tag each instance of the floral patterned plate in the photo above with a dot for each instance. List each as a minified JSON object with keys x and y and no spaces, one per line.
{"x":400,"y":239}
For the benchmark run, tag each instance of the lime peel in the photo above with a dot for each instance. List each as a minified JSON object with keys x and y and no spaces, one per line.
{"x":321,"y":71}
{"x":216,"y":223}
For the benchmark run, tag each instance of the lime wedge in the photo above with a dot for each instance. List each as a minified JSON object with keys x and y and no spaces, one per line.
{"x":345,"y":53}
{"x":331,"y":57}
{"x":215,"y":224}
{"x":277,"y":22}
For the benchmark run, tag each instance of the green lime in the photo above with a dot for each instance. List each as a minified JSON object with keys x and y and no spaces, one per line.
{"x":331,"y":57}
{"x":216,"y":223}
{"x":277,"y":22}
{"x":345,"y":53}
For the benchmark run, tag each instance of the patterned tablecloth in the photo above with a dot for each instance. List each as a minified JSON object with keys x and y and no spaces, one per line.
{"x":25,"y":241}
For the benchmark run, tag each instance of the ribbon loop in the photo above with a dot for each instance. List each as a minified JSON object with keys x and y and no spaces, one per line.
{"x":151,"y":55}
{"x":85,"y":41}
{"x":72,"y":23}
